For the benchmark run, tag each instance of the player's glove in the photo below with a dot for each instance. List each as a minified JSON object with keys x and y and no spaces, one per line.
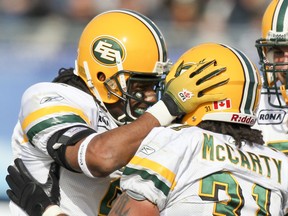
{"x":28,"y":193}
{"x":188,"y":89}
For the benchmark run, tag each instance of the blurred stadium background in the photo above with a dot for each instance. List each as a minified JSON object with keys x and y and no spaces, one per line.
{"x":39,"y":37}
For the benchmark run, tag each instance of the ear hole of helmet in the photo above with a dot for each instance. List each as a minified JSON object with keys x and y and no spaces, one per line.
{"x":101,"y":76}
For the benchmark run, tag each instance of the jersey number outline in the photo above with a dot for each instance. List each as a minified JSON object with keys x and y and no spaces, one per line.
{"x":210,"y":186}
{"x":112,"y":193}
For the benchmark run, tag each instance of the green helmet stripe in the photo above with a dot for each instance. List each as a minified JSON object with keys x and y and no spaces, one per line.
{"x":159,"y":38}
{"x":280,"y":12}
{"x":250,"y":88}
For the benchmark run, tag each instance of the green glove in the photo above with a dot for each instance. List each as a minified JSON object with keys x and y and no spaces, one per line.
{"x":185,"y":91}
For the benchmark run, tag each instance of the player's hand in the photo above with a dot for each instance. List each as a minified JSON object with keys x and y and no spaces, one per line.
{"x":188,"y":89}
{"x":28,"y":193}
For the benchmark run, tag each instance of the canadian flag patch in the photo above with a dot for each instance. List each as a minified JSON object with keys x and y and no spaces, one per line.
{"x":222,"y":105}
{"x":185,"y":95}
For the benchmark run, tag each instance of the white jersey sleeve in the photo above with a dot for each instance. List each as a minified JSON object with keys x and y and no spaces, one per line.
{"x":50,"y":107}
{"x":196,"y":172}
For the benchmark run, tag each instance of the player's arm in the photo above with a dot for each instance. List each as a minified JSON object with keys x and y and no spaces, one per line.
{"x":34,"y":198}
{"x":125,"y":205}
{"x":98,"y":155}
{"x":82,"y":149}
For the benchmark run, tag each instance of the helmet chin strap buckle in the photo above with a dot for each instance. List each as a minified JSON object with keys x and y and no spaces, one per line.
{"x":76,"y":68}
{"x":161,"y":68}
{"x":284,"y":93}
{"x":90,"y":83}
{"x":89,"y":79}
{"x":121,"y":118}
{"x":120,"y":68}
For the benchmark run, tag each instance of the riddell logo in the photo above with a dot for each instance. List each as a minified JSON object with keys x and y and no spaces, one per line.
{"x":185,"y":95}
{"x":243,"y":119}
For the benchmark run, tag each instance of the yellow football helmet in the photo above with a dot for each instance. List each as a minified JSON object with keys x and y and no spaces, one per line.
{"x":242,"y":91}
{"x":116,"y":47}
{"x":270,"y":45}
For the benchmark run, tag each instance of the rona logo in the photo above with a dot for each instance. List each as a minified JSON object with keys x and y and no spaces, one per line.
{"x":270,"y":116}
{"x":105,"y":50}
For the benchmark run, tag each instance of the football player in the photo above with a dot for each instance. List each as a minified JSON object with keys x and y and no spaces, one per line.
{"x":273,"y":53}
{"x":214,"y":163}
{"x":73,"y":121}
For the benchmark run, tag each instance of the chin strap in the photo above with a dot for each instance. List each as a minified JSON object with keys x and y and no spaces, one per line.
{"x":119,"y":64}
{"x":96,"y":93}
{"x":76,"y":68}
{"x":284,"y":93}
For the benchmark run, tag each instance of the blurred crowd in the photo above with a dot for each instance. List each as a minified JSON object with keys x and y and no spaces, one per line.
{"x":182,"y":13}
{"x":183,"y":22}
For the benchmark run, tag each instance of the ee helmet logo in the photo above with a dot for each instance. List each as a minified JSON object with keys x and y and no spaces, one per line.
{"x":105,"y":49}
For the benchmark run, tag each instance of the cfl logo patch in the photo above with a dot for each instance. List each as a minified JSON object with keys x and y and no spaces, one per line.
{"x":185,"y":95}
{"x":105,"y":50}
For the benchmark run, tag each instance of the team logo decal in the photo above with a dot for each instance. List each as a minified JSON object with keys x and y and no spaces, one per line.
{"x":278,"y":35}
{"x":222,"y":105}
{"x":51,"y":99}
{"x":243,"y":119}
{"x":105,"y":50}
{"x":185,"y":95}
{"x":103,"y":120}
{"x":270,"y":116}
{"x":147,"y":150}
